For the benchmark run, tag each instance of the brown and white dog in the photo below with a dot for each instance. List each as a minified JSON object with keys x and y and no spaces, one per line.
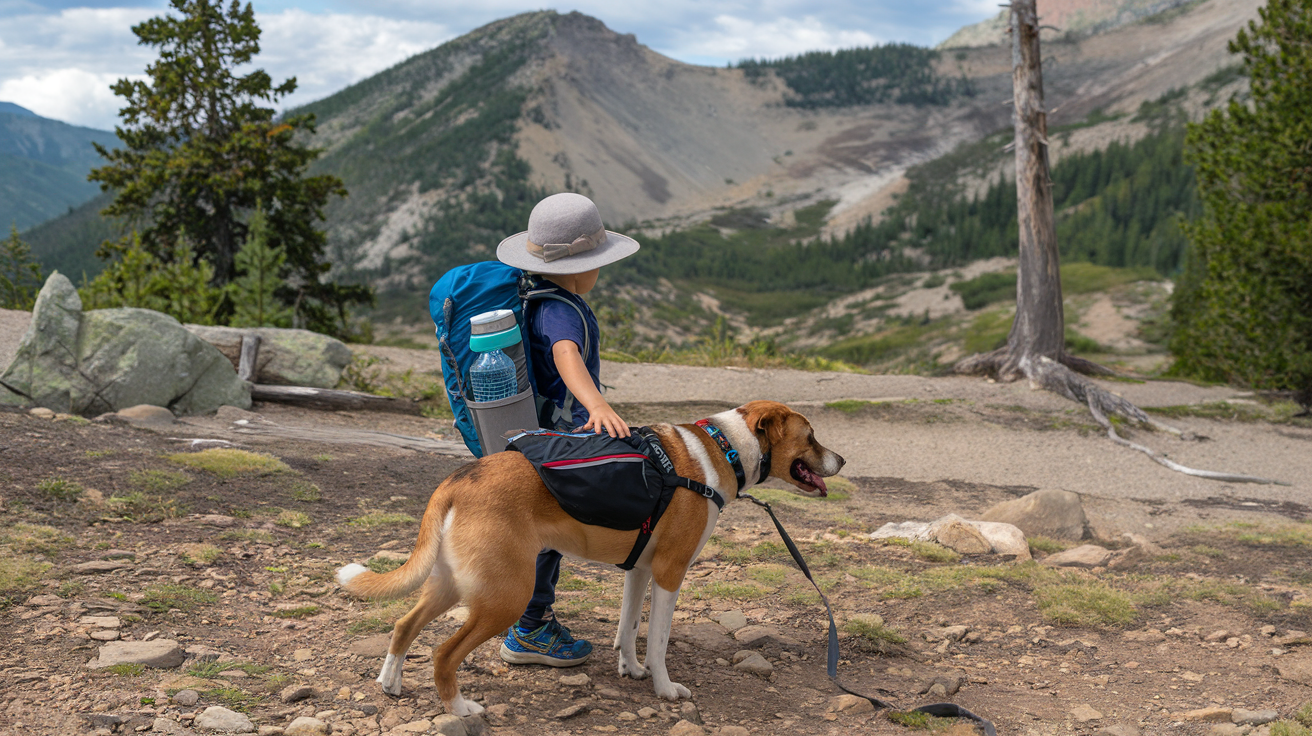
{"x":486,"y":523}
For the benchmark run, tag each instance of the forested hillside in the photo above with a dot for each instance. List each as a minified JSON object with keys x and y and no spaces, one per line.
{"x":43,"y":166}
{"x":895,"y":72}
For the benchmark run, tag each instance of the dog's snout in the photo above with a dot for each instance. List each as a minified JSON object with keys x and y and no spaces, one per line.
{"x":841,"y":461}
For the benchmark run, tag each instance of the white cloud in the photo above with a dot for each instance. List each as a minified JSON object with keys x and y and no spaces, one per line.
{"x":734,"y":38}
{"x":61,"y":65}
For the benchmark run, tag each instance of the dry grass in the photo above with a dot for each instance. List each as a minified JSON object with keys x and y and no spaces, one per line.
{"x":199,"y":555}
{"x":23,"y":537}
{"x":375,"y":519}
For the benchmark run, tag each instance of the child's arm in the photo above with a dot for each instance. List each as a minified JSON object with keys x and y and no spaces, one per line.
{"x":573,"y":371}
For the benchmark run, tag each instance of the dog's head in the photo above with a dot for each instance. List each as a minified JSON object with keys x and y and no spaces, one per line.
{"x":795,"y":456}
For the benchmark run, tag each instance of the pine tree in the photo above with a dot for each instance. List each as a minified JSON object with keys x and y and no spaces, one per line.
{"x":253,"y":293}
{"x":202,"y":146}
{"x":1245,"y":310}
{"x":20,"y":275}
{"x":178,"y":286}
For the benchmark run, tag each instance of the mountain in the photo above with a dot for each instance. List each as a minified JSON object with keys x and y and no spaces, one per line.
{"x":1070,"y":18}
{"x":445,"y":153}
{"x":44,"y":165}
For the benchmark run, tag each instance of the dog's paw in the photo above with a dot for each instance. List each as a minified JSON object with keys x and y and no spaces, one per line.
{"x":389,"y":686}
{"x":464,"y":707}
{"x":632,"y":669}
{"x":672,"y":691}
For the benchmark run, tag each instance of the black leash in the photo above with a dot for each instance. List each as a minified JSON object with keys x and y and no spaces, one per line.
{"x":943,"y":710}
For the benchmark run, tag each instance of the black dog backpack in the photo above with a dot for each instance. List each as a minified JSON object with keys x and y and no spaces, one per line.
{"x":622,"y":483}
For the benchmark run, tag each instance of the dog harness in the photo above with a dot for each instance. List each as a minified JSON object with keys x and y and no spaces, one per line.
{"x":622,"y":483}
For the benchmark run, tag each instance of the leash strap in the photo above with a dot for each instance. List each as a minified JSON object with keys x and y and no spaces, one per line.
{"x":945,"y":710}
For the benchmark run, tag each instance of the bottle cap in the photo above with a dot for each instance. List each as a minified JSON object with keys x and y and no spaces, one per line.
{"x":498,"y":320}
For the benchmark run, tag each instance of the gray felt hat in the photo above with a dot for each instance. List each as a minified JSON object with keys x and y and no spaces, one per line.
{"x":565,"y":236}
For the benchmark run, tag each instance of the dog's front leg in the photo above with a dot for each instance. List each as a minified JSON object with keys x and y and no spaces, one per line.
{"x":626,"y":637}
{"x":658,"y":639}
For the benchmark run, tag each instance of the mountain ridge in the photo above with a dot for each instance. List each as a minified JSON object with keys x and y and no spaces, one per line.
{"x":43,"y":165}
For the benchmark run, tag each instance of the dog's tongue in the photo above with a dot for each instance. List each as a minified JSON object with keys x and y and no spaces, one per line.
{"x":809,"y":477}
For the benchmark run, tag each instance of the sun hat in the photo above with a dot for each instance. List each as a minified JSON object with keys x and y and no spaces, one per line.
{"x":564,"y":236}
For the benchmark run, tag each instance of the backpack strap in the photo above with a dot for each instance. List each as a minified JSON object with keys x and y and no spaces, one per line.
{"x":655,"y":452}
{"x":530,"y":290}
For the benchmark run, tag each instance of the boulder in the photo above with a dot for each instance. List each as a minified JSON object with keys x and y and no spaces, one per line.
{"x":104,"y":360}
{"x":1047,"y":513}
{"x":1085,"y":555}
{"x":1006,"y":539}
{"x":959,"y":535}
{"x":286,"y":357}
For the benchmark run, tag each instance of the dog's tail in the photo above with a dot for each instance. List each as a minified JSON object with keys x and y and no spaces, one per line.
{"x":357,"y":580}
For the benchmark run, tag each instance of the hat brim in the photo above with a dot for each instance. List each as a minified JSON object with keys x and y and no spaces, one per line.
{"x":513,"y":251}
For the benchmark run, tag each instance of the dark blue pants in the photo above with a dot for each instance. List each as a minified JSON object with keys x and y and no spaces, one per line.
{"x":544,"y":591}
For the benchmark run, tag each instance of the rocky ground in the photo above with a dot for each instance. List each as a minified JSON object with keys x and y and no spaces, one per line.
{"x":121,"y":536}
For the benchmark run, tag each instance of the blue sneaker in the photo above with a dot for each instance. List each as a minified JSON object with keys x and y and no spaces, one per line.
{"x":550,"y":644}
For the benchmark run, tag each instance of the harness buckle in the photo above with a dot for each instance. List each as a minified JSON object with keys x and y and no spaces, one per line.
{"x":731,"y":456}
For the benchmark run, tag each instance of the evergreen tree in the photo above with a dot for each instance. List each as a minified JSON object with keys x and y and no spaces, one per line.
{"x":1245,"y":310}
{"x":201,"y":147}
{"x":20,"y":276}
{"x":253,"y":293}
{"x":178,"y":286}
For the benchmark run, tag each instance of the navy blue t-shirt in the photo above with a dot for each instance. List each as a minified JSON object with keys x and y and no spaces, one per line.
{"x":549,"y":322}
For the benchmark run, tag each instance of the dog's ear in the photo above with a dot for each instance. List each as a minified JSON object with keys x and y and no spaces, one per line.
{"x":766,"y":419}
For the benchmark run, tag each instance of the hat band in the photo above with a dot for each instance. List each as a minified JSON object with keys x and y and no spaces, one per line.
{"x":554,"y":251}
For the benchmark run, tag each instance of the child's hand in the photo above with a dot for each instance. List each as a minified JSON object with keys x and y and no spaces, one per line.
{"x":604,"y":419}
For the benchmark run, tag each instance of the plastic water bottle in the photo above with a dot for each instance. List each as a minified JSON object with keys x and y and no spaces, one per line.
{"x":492,"y":376}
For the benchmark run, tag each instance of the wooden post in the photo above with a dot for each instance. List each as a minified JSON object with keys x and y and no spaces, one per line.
{"x":1039,"y":327}
{"x":250,"y":351}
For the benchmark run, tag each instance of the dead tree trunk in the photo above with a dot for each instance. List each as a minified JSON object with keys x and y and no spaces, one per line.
{"x":1036,"y":345}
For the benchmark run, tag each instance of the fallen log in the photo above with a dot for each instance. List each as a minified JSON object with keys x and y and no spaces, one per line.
{"x":332,"y":399}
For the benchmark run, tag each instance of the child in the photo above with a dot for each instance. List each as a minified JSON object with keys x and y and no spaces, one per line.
{"x":566,"y":244}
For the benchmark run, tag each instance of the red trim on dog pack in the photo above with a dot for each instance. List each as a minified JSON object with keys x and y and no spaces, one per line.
{"x":585,"y":462}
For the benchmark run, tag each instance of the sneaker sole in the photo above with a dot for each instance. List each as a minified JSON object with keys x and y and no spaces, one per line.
{"x":513,"y":657}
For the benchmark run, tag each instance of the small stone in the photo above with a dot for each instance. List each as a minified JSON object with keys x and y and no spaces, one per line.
{"x":1120,"y":729}
{"x":624,"y":715}
{"x":100,"y":622}
{"x":448,"y":724}
{"x":732,"y":620}
{"x":161,"y":653}
{"x":937,"y":690}
{"x":1268,"y":630}
{"x":99,"y":567}
{"x":271,"y":731}
{"x":218,"y":718}
{"x":186,"y":698}
{"x":687,"y":728}
{"x":647,"y":712}
{"x":734,"y":731}
{"x":105,"y":635}
{"x":609,"y":693}
{"x":753,"y":663}
{"x":301,"y":655}
{"x":44,"y":600}
{"x":768,"y":639}
{"x":390,"y":555}
{"x":295,"y":693}
{"x":1191,"y":676}
{"x":168,"y":727}
{"x":420,"y":726}
{"x":1083,"y":713}
{"x":578,"y":680}
{"x":1084,"y":556}
{"x":370,"y":647}
{"x":344,"y":693}
{"x":213,"y":519}
{"x":306,"y":726}
{"x":689,"y":713}
{"x":1207,"y":715}
{"x":1253,"y":717}
{"x":1150,"y":636}
{"x":1217,"y":636}
{"x":571,"y":711}
{"x":40,"y":412}
{"x":850,"y":704}
{"x":144,"y":415}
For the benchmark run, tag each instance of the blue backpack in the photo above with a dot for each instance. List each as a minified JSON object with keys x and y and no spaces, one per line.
{"x":467,"y":291}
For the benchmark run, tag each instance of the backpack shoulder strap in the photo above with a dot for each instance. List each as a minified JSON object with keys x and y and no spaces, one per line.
{"x":550,"y":293}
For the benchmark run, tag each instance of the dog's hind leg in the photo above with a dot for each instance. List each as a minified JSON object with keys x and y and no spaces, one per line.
{"x":658,"y":640}
{"x":439,"y":595}
{"x":489,"y":614}
{"x":636,"y":582}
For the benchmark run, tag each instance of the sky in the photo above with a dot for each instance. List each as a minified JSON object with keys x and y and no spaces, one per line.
{"x":59,"y":57}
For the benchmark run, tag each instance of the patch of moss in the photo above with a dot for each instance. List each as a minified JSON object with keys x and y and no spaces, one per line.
{"x":228,"y":463}
{"x":375,"y":519}
{"x":166,"y":596}
{"x":24,"y":537}
{"x":157,"y":481}
{"x":1088,"y":604}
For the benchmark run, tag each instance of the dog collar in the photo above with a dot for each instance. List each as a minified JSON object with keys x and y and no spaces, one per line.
{"x":731,"y":455}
